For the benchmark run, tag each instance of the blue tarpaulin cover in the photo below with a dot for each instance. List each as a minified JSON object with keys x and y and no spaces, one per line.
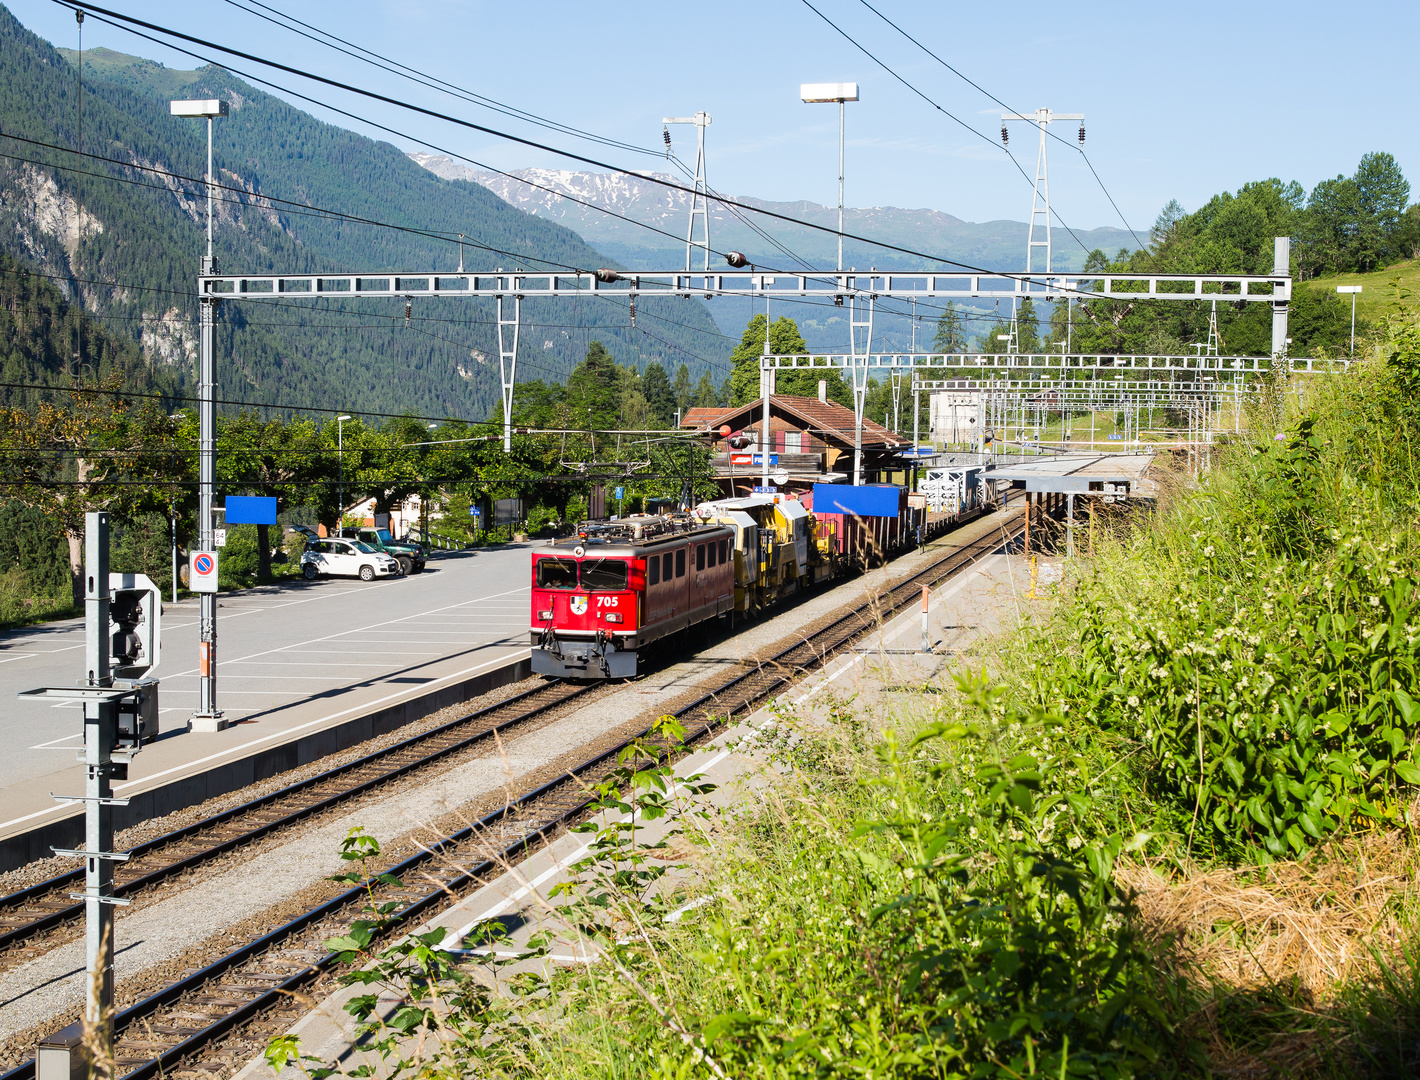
{"x":250,"y":510}
{"x":870,"y":500}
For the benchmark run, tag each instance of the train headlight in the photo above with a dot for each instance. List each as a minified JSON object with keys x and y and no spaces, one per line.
{"x":613,"y":616}
{"x":545,"y":616}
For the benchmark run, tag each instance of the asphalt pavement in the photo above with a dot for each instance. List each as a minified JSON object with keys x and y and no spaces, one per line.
{"x":289,"y":656}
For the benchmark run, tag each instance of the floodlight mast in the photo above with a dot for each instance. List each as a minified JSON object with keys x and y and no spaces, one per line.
{"x":825,"y":93}
{"x":700,"y":200}
{"x":207,"y":717}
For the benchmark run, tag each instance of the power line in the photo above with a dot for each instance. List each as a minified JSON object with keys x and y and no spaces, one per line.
{"x":430,"y":81}
{"x":1012,"y":157}
{"x":291,"y":207}
{"x":998,"y":101}
{"x":137,"y":394}
{"x":302,"y":209}
{"x":471,"y":125}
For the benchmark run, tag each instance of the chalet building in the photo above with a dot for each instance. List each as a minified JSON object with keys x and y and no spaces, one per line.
{"x":811,"y":439}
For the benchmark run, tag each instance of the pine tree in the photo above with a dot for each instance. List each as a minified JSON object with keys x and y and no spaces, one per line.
{"x":951,"y":335}
{"x":661,"y":399}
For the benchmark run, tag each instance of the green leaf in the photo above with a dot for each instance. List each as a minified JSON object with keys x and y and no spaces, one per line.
{"x":1234,"y":770}
{"x":1407,"y":771}
{"x":1309,"y":824}
{"x":1406,"y":704}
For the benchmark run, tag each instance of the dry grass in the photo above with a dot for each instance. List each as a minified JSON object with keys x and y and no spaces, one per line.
{"x":1315,"y":921}
{"x":1267,"y":952}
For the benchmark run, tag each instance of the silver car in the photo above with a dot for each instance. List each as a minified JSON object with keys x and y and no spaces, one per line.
{"x":345,"y":558}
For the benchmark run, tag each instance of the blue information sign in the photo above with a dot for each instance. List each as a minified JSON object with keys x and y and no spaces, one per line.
{"x":620,"y":493}
{"x":250,"y":510}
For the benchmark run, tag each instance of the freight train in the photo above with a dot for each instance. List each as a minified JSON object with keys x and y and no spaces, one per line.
{"x":599,"y":598}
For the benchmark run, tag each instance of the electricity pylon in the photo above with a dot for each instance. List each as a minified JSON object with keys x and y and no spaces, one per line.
{"x":1040,"y":198}
{"x":699,"y":202}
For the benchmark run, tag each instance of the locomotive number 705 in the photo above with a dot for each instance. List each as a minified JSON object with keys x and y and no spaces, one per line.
{"x":607,"y":601}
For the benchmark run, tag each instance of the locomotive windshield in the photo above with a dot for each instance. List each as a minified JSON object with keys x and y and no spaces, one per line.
{"x":556,"y":574}
{"x":604,"y":573}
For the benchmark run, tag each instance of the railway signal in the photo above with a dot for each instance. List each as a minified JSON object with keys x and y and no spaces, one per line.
{"x":122,"y":637}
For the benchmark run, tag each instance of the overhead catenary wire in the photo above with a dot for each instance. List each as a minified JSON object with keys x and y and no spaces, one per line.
{"x":101,"y":12}
{"x":542,"y":187}
{"x":998,"y":101}
{"x":404,"y":71}
{"x":1012,"y":157}
{"x":303,"y":209}
{"x":724,"y":200}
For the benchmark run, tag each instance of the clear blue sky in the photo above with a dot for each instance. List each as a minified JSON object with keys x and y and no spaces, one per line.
{"x":1181,"y":101}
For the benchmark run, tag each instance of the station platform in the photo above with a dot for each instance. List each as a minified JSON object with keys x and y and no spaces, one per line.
{"x":305,"y":669}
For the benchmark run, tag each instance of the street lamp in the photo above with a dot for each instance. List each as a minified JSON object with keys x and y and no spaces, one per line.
{"x":823,"y":93}
{"x":340,"y":454}
{"x":207,"y":717}
{"x":209,"y":110}
{"x":1353,"y":290}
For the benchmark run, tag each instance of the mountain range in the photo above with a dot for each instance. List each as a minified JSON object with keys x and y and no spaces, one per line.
{"x":639,"y":207}
{"x":124,"y":230}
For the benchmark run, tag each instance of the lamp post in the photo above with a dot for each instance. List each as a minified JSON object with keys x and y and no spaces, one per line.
{"x":340,"y":491}
{"x":1353,"y":290}
{"x":207,"y":717}
{"x":823,"y":93}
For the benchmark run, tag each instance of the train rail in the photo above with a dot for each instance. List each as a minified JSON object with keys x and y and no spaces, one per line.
{"x":30,"y":912}
{"x":195,"y":1025}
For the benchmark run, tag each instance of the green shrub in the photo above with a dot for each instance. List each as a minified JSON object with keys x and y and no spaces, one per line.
{"x":1257,"y":641}
{"x":237,"y":562}
{"x":971,"y":932}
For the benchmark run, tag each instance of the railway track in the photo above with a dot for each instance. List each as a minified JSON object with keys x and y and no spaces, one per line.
{"x":31,"y":912}
{"x":214,"y":1019}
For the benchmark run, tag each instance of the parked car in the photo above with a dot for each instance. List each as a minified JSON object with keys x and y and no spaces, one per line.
{"x":410,"y":554}
{"x":346,"y":558}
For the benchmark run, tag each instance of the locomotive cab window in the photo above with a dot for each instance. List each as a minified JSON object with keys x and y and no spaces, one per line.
{"x":604,"y":574}
{"x":700,"y":556}
{"x":556,"y":574}
{"x":710,"y":553}
{"x":653,"y":570}
{"x":680,"y":563}
{"x":669,"y":561}
{"x":724,"y":550}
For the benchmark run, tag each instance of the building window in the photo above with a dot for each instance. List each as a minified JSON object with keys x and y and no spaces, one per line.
{"x":793,"y":442}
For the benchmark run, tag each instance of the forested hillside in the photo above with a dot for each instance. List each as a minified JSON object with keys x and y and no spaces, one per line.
{"x":137,"y":249}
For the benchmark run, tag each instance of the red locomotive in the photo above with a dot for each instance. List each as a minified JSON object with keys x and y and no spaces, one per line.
{"x":603,"y":595}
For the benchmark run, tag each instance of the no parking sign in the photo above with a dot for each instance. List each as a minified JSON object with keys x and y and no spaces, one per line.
{"x":202,"y":573}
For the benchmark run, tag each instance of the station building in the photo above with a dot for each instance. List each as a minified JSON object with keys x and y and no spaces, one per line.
{"x":811,"y":439}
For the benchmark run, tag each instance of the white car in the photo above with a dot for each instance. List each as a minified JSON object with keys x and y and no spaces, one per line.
{"x":346,"y":558}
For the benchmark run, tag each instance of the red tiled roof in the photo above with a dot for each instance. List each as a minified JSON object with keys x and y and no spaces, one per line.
{"x":821,"y":418}
{"x":699,"y":418}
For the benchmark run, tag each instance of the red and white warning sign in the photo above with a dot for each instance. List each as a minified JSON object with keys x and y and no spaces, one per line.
{"x":202,"y":572}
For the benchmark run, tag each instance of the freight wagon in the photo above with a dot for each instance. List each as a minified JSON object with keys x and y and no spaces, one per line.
{"x":601,"y":597}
